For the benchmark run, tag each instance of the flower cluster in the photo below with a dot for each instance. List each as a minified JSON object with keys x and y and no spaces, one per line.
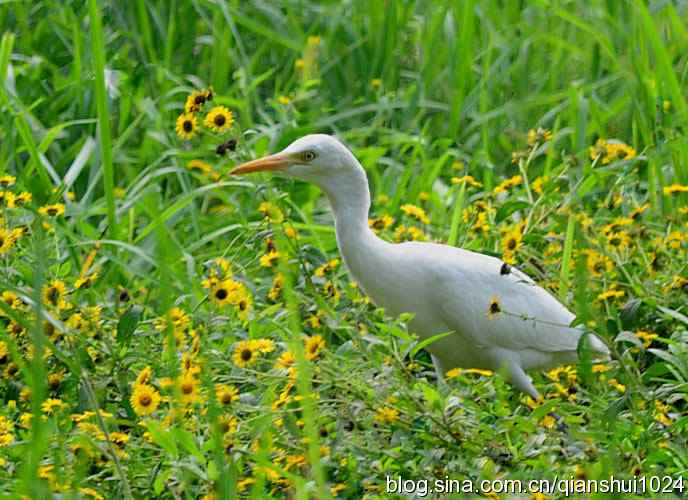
{"x":218,"y":119}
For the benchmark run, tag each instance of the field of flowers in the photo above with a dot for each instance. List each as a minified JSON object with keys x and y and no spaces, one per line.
{"x":169,"y":331}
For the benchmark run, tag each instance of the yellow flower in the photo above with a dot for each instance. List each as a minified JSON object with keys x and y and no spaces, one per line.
{"x":619,"y":240}
{"x":226,"y":394}
{"x":224,"y":292}
{"x":11,"y":299}
{"x":386,"y":415}
{"x":144,"y":399}
{"x":548,"y":422}
{"x":246,"y":353}
{"x":51,"y":404}
{"x":617,"y":385}
{"x":597,"y":263}
{"x":188,"y":388}
{"x":337,"y":488}
{"x":327,"y":268}
{"x":600,"y":368}
{"x":674,"y":240}
{"x":53,"y":294}
{"x":539,"y":183}
{"x":276,"y":290}
{"x":186,"y":125}
{"x":228,"y":424}
{"x":219,"y":119}
{"x":52,"y":210}
{"x":538,"y":136}
{"x":608,"y":151}
{"x":381,"y":223}
{"x":415,"y":212}
{"x":638,"y":211}
{"x":646,"y":337}
{"x":6,"y":428}
{"x":612,"y":293}
{"x":271,"y":211}
{"x":19,"y":200}
{"x":7,"y":181}
{"x":284,"y":100}
{"x":313,"y":345}
{"x":494,"y":308}
{"x":90,"y":492}
{"x":144,"y":376}
{"x":512,"y":241}
{"x":7,"y":240}
{"x":675,"y":188}
{"x":313,"y":40}
{"x":202,"y":168}
{"x":468,"y":179}
{"x":197,"y":99}
{"x":403,"y":233}
{"x":285,"y":361}
{"x":119,"y":438}
{"x":265,"y":346}
{"x":299,"y":63}
{"x":268,"y":259}
{"x":376,"y":83}
{"x":331,"y":291}
{"x":85,"y":281}
{"x":508,"y":184}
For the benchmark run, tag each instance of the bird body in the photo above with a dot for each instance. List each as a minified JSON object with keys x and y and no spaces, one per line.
{"x":497,"y":316}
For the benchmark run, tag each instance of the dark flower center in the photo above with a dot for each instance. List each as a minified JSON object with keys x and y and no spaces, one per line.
{"x":226,"y":398}
{"x":145,"y":400}
{"x":511,"y":244}
{"x":187,"y":126}
{"x":243,"y":305}
{"x":199,"y":99}
{"x":52,"y":211}
{"x":52,"y":295}
{"x":12,"y":369}
{"x":246,"y":355}
{"x":220,"y":120}
{"x":187,"y":388}
{"x":494,"y":307}
{"x":221,"y":294}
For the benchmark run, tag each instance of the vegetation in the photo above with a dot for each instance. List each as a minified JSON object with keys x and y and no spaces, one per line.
{"x":167,"y":330}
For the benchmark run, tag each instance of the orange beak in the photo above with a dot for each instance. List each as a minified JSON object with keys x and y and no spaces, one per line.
{"x":273,"y":163}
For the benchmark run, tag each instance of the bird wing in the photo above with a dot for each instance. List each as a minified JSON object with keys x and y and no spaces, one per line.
{"x":496,"y":305}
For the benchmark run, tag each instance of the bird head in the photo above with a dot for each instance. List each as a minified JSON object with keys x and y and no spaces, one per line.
{"x":317,"y":158}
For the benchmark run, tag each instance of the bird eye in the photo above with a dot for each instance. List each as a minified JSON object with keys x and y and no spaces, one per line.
{"x":308,"y":155}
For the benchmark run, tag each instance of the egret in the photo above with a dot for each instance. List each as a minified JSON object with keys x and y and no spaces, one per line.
{"x":498,"y":318}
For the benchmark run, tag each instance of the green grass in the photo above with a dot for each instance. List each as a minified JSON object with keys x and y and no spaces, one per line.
{"x":422,"y":92}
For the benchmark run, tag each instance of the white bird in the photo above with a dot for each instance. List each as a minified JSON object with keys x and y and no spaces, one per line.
{"x":498,"y":317}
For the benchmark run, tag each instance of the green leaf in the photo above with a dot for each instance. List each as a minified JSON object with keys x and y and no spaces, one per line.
{"x":186,"y":440}
{"x":162,"y":437}
{"x":509,"y":208}
{"x":426,"y":342}
{"x":127,"y":324}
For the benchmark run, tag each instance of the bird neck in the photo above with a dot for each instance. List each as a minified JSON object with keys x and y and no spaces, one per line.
{"x":350,"y":199}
